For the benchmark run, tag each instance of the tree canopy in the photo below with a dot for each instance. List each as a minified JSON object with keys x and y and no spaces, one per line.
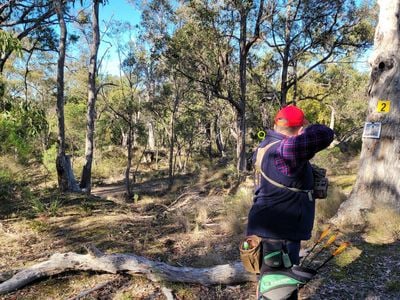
{"x":197,"y":78}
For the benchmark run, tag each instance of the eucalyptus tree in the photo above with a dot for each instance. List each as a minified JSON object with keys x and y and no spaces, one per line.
{"x":215,"y":53}
{"x":306,"y":34}
{"x":195,"y":53}
{"x":126,"y":101}
{"x":171,"y":107}
{"x":157,"y":24}
{"x":86,"y":177}
{"x":335,"y":94}
{"x":21,"y":127}
{"x":8,"y":43}
{"x":377,"y":183}
{"x":23,"y":19}
{"x":66,"y":179}
{"x":25,"y":27}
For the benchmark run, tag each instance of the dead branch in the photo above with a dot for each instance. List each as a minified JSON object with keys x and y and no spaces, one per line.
{"x":167,"y":293}
{"x":89,"y":291}
{"x":175,"y":205}
{"x":132,"y":264}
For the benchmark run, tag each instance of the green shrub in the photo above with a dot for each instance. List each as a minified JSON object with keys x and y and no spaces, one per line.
{"x":20,"y":128}
{"x":14,"y":193}
{"x":41,"y":207}
{"x":6,"y":185}
{"x":11,"y":142}
{"x":38,"y":206}
{"x":54,"y":207}
{"x":49,"y":159}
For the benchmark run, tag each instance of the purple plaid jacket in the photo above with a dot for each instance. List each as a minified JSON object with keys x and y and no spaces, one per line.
{"x":293,"y":151}
{"x":280,"y":213}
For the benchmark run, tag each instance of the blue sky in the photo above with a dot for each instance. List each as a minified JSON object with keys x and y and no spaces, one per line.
{"x":119,"y":10}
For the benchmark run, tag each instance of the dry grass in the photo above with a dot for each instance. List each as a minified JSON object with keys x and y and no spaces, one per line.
{"x":205,"y":231}
{"x":348,"y":257}
{"x":327,"y":208}
{"x":383,"y":226}
{"x":236,"y":210}
{"x":202,"y":216}
{"x":339,"y":188}
{"x":344,"y":182}
{"x":183,"y":221}
{"x":9,"y":164}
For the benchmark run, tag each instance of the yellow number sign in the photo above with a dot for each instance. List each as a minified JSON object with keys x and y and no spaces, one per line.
{"x":383,"y":106}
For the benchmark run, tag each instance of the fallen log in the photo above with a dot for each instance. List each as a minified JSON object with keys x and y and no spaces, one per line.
{"x":132,"y":264}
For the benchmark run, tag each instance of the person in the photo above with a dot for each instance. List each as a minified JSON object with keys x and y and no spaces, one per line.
{"x":283,"y":208}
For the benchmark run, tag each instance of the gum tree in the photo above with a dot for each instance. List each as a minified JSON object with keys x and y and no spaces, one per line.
{"x":66,"y":179}
{"x":378,"y":182}
{"x":227,"y":31}
{"x":23,"y":19}
{"x":306,"y":34}
{"x":86,"y":178}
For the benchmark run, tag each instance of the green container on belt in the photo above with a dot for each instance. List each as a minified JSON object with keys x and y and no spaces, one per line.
{"x":245,"y":245}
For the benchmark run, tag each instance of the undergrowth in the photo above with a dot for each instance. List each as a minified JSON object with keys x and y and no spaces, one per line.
{"x":383,"y":225}
{"x":14,"y":190}
{"x":203,"y":233}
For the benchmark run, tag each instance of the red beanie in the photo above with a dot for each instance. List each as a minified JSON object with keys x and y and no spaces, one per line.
{"x":290,"y":116}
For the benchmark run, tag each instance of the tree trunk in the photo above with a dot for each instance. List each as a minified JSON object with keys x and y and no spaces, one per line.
{"x":128,"y":164}
{"x":188,"y":153}
{"x":284,"y":87}
{"x":209,"y":139}
{"x":241,"y":142}
{"x":178,"y":158}
{"x":66,"y":178}
{"x":86,"y":179}
{"x":151,"y":144}
{"x":285,"y":56}
{"x":265,"y":111}
{"x":172,"y":142}
{"x":332,"y":122}
{"x":124,"y":140}
{"x":3,"y":59}
{"x":241,"y":111}
{"x":295,"y":86}
{"x":219,"y":139}
{"x":65,"y":174}
{"x":128,"y":263}
{"x":378,"y":176}
{"x":171,"y":157}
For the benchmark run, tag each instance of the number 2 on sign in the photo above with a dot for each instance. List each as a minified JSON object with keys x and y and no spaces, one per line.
{"x":383,"y":106}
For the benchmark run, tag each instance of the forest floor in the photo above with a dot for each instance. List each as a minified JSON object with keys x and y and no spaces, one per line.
{"x":199,"y":223}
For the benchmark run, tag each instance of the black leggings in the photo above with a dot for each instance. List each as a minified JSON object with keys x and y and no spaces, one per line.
{"x":291,"y":247}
